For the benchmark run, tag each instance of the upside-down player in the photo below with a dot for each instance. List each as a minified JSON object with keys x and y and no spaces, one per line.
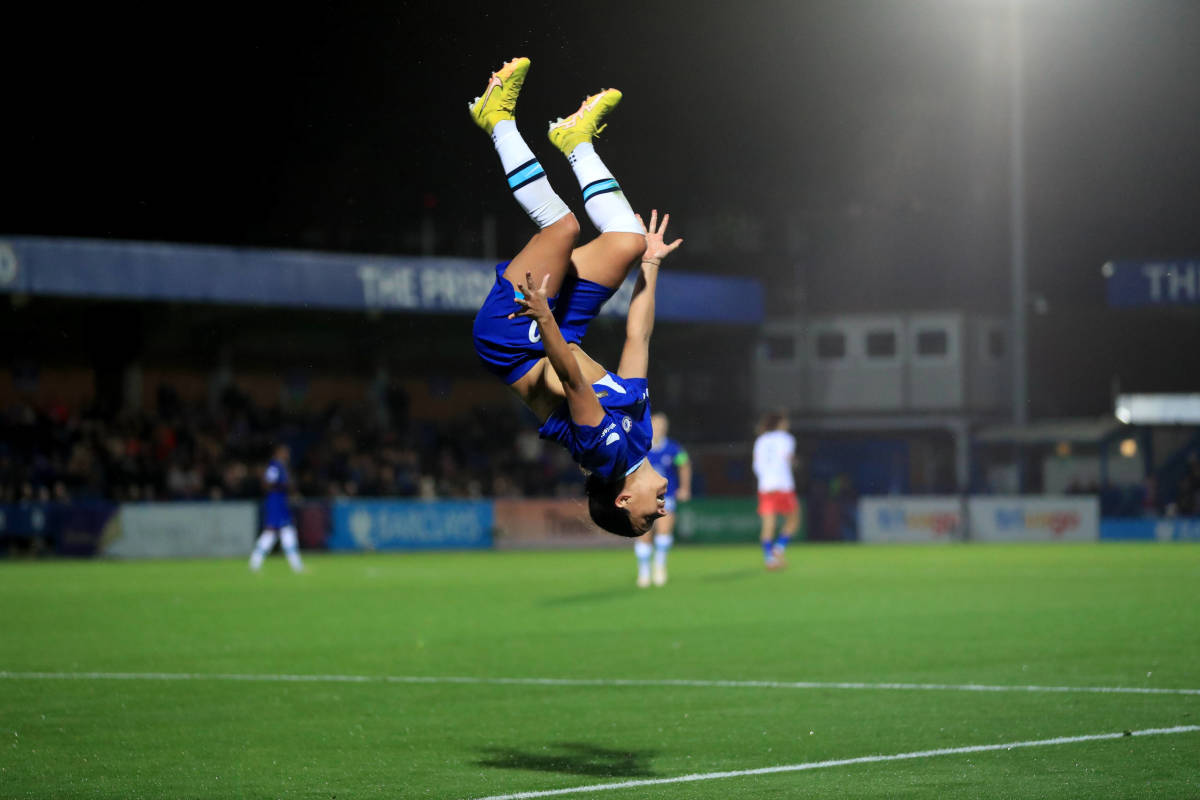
{"x":672,"y":461}
{"x":601,"y":417}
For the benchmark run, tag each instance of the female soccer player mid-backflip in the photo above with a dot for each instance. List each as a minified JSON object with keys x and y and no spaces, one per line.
{"x":528,"y":330}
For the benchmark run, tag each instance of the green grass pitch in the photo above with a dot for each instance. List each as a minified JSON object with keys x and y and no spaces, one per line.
{"x":1078,"y":616}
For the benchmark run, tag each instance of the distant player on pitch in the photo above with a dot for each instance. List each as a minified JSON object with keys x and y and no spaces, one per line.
{"x":774,"y":459}
{"x":671,"y":461}
{"x":277,"y":517}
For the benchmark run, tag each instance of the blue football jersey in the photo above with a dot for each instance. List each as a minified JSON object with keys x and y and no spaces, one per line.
{"x":620,"y":442}
{"x":275,"y":508}
{"x":666,"y":460}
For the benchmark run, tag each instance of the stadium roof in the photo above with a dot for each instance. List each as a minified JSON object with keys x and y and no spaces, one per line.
{"x":1080,"y":430}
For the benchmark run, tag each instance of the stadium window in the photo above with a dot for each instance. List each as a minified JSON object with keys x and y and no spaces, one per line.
{"x":881,"y":344}
{"x":831,"y":346}
{"x":781,"y":348}
{"x":996,"y":343}
{"x":932,"y":343}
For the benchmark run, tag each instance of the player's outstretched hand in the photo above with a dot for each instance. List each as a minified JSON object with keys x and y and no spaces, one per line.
{"x":656,"y":248}
{"x":533,"y":302}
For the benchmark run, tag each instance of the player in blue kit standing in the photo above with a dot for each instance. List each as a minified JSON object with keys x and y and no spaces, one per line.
{"x":528,"y":330}
{"x":670,"y":460}
{"x":277,"y":517}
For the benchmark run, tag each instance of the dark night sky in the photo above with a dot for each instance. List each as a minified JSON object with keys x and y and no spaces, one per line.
{"x":853,"y":155}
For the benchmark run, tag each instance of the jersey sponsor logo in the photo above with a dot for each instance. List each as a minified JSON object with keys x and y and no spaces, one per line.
{"x":535,"y":335}
{"x":610,"y":433}
{"x":626,"y":424}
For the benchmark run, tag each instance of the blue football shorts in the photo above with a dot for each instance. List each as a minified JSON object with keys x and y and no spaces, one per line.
{"x":510,"y":347}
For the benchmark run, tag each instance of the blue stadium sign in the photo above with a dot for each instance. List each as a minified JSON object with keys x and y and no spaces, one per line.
{"x":1152,"y":283}
{"x":411,"y":525}
{"x":189,"y":273}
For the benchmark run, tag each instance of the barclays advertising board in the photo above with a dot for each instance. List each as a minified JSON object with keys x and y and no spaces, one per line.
{"x":411,"y":525}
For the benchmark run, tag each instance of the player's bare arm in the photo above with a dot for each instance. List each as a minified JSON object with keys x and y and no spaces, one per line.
{"x":684,"y":493}
{"x":639,"y":322}
{"x":581,"y":399}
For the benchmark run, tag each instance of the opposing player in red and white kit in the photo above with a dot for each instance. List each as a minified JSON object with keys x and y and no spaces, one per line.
{"x":774,"y":459}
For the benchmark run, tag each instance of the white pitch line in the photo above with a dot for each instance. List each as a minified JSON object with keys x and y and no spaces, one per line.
{"x":602,"y":682}
{"x":840,"y":762}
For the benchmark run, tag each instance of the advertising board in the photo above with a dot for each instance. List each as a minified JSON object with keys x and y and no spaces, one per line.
{"x":721,"y":519}
{"x":182,"y":530}
{"x":1151,"y":529}
{"x":411,"y":525}
{"x":1034,"y":519}
{"x":910,"y":519}
{"x":235,"y":275}
{"x":550,"y":523}
{"x":1152,"y":283}
{"x":83,"y":526}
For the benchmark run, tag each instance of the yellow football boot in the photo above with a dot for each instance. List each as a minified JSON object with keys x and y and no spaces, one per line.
{"x":584,"y":124}
{"x":499,"y":99}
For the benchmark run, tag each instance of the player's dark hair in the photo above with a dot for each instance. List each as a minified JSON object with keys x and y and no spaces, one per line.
{"x":602,"y":505}
{"x":771,"y":421}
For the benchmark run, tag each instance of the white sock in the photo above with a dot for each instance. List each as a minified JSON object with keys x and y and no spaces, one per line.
{"x":526,"y":177}
{"x":291,"y":547}
{"x":643,"y":550}
{"x":662,"y":543}
{"x":606,"y":205}
{"x":266,"y":541}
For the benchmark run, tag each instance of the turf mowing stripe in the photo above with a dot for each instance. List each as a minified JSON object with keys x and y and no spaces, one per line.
{"x":841,"y":762}
{"x":614,"y":682}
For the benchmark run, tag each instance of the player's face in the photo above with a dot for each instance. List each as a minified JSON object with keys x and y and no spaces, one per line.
{"x":647,"y":498}
{"x":658,"y":424}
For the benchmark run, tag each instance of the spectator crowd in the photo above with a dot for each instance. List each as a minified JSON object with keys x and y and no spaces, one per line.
{"x":219,"y":451}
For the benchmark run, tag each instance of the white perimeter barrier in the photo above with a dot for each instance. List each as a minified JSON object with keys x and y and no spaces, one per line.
{"x":985,"y":519}
{"x":183,"y":530}
{"x":910,"y":519}
{"x":1034,"y":519}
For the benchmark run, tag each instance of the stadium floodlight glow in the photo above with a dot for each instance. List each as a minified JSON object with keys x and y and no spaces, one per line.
{"x":1158,"y":409}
